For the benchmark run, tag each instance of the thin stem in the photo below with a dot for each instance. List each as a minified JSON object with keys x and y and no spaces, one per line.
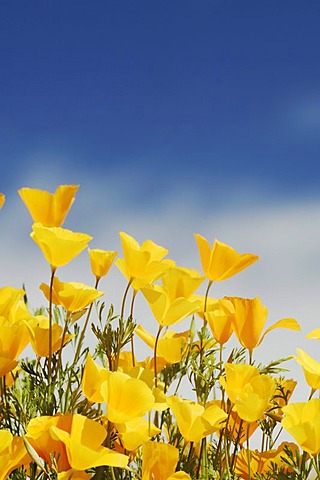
{"x":124,"y":298}
{"x":53,"y":270}
{"x":248,"y":453}
{"x":82,"y":334}
{"x":155,"y":356}
{"x":132,"y":337}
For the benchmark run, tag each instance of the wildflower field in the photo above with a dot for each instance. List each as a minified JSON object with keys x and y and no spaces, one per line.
{"x":72,"y":411}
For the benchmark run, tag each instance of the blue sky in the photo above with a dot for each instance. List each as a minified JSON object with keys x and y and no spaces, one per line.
{"x":173,"y":116}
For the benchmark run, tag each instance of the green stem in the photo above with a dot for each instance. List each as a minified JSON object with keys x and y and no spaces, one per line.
{"x":248,"y":453}
{"x":132,"y":338}
{"x":53,"y":270}
{"x":155,"y":356}
{"x":82,"y":334}
{"x":124,"y":298}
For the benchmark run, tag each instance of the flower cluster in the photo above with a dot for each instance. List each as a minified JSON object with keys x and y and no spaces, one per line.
{"x":74,"y":412}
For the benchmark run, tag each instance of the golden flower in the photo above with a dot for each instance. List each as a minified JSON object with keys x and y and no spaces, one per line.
{"x":73,"y":296}
{"x":302,"y":421}
{"x":13,"y":340}
{"x":38,"y":329}
{"x":9,"y":300}
{"x":220,"y":261}
{"x":311,"y":369}
{"x":2,"y":199}
{"x":194,"y":420}
{"x":101,"y":261}
{"x":49,"y":209}
{"x":75,"y":442}
{"x":170,"y":345}
{"x":219,"y":316}
{"x":141,"y":264}
{"x":135,"y":432}
{"x":126,"y":398}
{"x":159,"y":462}
{"x":262,"y":462}
{"x":165,"y":310}
{"x":12,"y":454}
{"x":58,"y":245}
{"x":181,"y":282}
{"x":249,"y":319}
{"x":250,"y":391}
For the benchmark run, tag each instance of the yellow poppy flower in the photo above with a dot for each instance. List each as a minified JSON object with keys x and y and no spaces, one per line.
{"x":194,"y":420}
{"x":263,"y":462}
{"x":38,"y":329}
{"x":13,"y":454}
{"x":166,"y":311}
{"x":49,"y":209}
{"x":170,"y":345}
{"x":2,"y":199}
{"x":250,"y":392}
{"x":9,"y":299}
{"x":220,"y":261}
{"x":302,"y":421}
{"x":58,"y":245}
{"x":311,"y":369}
{"x":127,"y":398}
{"x":75,"y":442}
{"x":219,"y":316}
{"x":13,"y":340}
{"x":181,"y":282}
{"x":249,"y":319}
{"x":141,"y":265}
{"x":73,"y":296}
{"x":159,"y":462}
{"x":136,"y":432}
{"x":101,"y":261}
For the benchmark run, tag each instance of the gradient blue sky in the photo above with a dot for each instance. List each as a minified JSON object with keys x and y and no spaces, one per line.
{"x":173,"y":116}
{"x":215,"y":93}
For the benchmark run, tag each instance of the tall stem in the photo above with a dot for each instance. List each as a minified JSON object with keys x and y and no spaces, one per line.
{"x":53,"y":270}
{"x":155,"y":356}
{"x":82,"y":335}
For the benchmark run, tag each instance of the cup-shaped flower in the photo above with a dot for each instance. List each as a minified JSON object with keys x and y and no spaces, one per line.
{"x":194,"y":420}
{"x":13,"y":340}
{"x":74,"y":441}
{"x":170,"y":346}
{"x":126,"y":398}
{"x":9,"y":300}
{"x":13,"y":454}
{"x":159,"y":462}
{"x":50,"y":209}
{"x":249,"y":319}
{"x":38,"y":329}
{"x":101,"y":261}
{"x":302,"y":421}
{"x":219,"y":315}
{"x":221,"y":261}
{"x":73,"y":296}
{"x":311,"y":369}
{"x":181,"y":282}
{"x":141,"y":264}
{"x":136,"y":432}
{"x":2,"y":199}
{"x":166,"y":311}
{"x":263,"y":463}
{"x":58,"y":245}
{"x":248,"y":390}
